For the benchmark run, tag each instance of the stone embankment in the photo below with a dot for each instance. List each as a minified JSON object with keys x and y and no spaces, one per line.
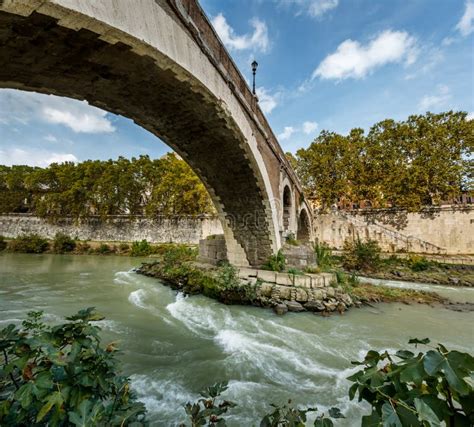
{"x":281,"y":291}
{"x":296,"y":293}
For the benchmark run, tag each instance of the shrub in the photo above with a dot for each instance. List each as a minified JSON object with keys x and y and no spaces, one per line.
{"x":104,"y":249}
{"x":83,"y":248}
{"x":63,"y":243}
{"x":418,"y":263}
{"x":3,"y":244}
{"x":291,"y":239}
{"x":61,"y":375}
{"x":323,"y":256}
{"x":424,"y":389}
{"x":29,"y":243}
{"x":124,"y":248}
{"x":275,"y":262}
{"x":211,"y":407}
{"x":142,"y":248}
{"x":360,"y":255}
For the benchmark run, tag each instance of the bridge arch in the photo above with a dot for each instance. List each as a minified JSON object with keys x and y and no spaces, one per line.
{"x":138,"y":60}
{"x":304,"y":226}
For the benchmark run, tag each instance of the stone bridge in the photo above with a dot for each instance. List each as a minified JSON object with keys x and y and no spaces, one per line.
{"x":161,"y":64}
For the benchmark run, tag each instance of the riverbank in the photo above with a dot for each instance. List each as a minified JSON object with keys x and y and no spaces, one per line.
{"x":322,"y":294}
{"x":430,"y":272}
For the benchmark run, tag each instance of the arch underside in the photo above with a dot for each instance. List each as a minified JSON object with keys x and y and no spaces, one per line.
{"x":39,"y":55}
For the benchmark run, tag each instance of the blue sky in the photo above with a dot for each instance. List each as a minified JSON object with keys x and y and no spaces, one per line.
{"x":323,"y":64}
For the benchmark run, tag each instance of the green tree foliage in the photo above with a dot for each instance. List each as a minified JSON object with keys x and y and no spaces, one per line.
{"x":29,"y":244}
{"x":430,"y":388}
{"x":140,"y":186}
{"x":359,"y":255}
{"x":63,"y":243}
{"x":408,"y":164}
{"x":60,"y":375}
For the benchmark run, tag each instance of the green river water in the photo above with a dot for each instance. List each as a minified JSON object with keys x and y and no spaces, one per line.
{"x":175,"y":346}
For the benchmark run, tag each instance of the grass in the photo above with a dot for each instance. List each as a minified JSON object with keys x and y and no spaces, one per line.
{"x":372,"y":293}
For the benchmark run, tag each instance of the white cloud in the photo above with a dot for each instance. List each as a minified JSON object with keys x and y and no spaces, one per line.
{"x":309,"y":127}
{"x":466,"y":24}
{"x":287,"y":132}
{"x":18,"y":156}
{"x":314,"y":8}
{"x":354,"y":60}
{"x":257,"y":41}
{"x":50,"y":138}
{"x":470,"y":116}
{"x":89,"y":121}
{"x":23,"y":107}
{"x":436,"y":100}
{"x":266,"y":100}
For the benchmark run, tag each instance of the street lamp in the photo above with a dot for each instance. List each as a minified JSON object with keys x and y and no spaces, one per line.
{"x":254,"y":71}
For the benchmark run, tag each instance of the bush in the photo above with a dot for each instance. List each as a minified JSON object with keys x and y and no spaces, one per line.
{"x":3,"y":243}
{"x":323,"y":256}
{"x":360,"y":255}
{"x":124,"y":248}
{"x":83,"y":248}
{"x":142,"y":248}
{"x":61,"y":375}
{"x":424,"y":389}
{"x":275,"y":262}
{"x":63,"y":243}
{"x":104,"y":249}
{"x":418,"y":263}
{"x":29,"y":244}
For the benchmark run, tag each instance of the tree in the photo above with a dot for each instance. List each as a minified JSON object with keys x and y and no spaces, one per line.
{"x":409,"y":164}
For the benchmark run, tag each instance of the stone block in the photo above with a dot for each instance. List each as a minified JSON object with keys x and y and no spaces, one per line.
{"x":247,"y":272}
{"x":328,"y":278}
{"x":317,"y":281}
{"x":303,"y":281}
{"x":266,"y":276}
{"x":284,"y":279}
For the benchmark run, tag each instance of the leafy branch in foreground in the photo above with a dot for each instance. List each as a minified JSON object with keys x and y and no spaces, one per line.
{"x":424,"y":389}
{"x":60,"y":375}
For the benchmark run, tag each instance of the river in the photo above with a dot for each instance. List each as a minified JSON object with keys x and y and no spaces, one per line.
{"x":175,"y":346}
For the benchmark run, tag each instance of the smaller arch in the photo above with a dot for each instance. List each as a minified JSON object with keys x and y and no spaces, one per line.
{"x":287,"y":203}
{"x":304,"y":226}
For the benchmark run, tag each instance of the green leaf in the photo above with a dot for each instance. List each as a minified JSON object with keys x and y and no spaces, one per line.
{"x":372,"y":420}
{"x":433,"y":362}
{"x":425,"y":413}
{"x":25,"y":394}
{"x":390,"y":417}
{"x":53,"y":399}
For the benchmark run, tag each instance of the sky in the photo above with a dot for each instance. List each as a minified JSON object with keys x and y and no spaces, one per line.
{"x":323,"y":65}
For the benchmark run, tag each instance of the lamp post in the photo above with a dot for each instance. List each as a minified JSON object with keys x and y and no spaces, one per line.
{"x":254,"y":71}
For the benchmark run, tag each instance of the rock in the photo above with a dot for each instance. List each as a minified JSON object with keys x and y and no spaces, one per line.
{"x":280,"y":309}
{"x":294,"y":306}
{"x":330,"y":306}
{"x":347,"y":300}
{"x":301,"y":295}
{"x":285,"y":291}
{"x":330,"y":291}
{"x":314,"y":306}
{"x":266,"y":289}
{"x":341,"y":307}
{"x":396,"y":273}
{"x":454,"y":280}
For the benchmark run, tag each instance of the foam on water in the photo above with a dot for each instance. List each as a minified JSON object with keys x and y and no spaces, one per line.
{"x":138,"y":297}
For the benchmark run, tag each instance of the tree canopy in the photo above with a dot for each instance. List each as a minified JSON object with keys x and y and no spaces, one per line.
{"x":140,"y":186}
{"x":408,"y":164}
